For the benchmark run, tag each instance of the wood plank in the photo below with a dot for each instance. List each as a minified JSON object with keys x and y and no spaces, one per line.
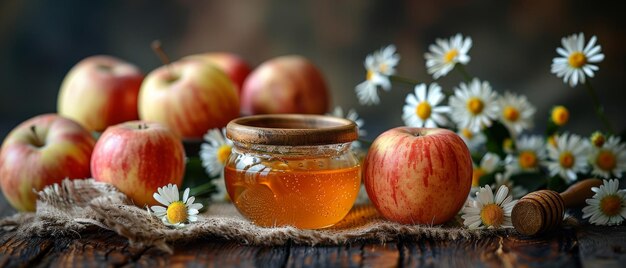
{"x":97,"y":247}
{"x":325,"y":256}
{"x":380,"y":255}
{"x":17,"y":252}
{"x":557,"y":249}
{"x":602,"y":246}
{"x":214,"y":253}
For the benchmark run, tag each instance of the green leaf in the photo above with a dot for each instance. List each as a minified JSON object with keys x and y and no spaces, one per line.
{"x":531,"y":181}
{"x":487,"y":179}
{"x":556,"y":183}
{"x":496,"y":134}
{"x":551,"y":128}
{"x":195,"y":175}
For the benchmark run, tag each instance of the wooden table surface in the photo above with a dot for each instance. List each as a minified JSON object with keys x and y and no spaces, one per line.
{"x":589,"y":246}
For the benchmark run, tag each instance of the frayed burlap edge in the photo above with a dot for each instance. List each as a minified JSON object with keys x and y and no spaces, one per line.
{"x":70,"y":207}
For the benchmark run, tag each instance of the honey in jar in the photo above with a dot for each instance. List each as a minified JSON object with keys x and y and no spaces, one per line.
{"x":296,"y":170}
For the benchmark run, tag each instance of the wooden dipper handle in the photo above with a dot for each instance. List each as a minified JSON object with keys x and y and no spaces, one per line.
{"x":543,"y":210}
{"x":576,"y":194}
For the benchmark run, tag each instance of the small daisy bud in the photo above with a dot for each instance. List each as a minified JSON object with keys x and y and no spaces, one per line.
{"x":597,"y":139}
{"x":560,"y":115}
{"x":508,"y":146}
{"x":552,"y":140}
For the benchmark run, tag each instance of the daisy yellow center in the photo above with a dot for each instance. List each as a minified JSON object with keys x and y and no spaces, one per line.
{"x":606,"y":160}
{"x":467,"y":133}
{"x":177,"y":212}
{"x":383,"y":68}
{"x":369,"y":75}
{"x":423,"y":110}
{"x":492,"y":215}
{"x":527,"y":159}
{"x":223,"y":153}
{"x":476,"y":174}
{"x":475,"y":105}
{"x":611,"y":205}
{"x":560,"y":115}
{"x":510,"y":114}
{"x":450,"y":55}
{"x":566,"y":159}
{"x":577,"y":59}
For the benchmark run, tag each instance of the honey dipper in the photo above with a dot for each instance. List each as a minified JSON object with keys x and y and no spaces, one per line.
{"x":543,"y":210}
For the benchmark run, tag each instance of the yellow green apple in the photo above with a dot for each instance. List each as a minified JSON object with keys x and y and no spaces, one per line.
{"x":41,"y":151}
{"x":100,"y":91}
{"x":189,"y":96}
{"x":234,"y":66}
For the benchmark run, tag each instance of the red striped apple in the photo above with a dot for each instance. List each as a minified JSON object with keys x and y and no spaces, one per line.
{"x":138,"y":157}
{"x":234,"y":66}
{"x":418,"y":175}
{"x":188,"y":96}
{"x":41,"y":151}
{"x":287,"y":84}
{"x":100,"y":91}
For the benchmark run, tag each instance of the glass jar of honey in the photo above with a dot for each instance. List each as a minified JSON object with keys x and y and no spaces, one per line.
{"x":293,"y":170}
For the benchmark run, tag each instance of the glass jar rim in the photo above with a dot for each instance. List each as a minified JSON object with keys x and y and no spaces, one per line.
{"x":292,"y":129}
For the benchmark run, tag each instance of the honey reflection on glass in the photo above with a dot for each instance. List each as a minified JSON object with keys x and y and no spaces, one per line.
{"x":305,"y":193}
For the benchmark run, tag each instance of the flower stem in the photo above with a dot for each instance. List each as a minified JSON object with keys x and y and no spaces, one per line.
{"x":405,"y":80}
{"x":599,"y":108}
{"x":459,"y":67}
{"x":202,"y":189}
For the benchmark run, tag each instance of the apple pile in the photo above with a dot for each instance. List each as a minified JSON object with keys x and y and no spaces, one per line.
{"x":143,"y":120}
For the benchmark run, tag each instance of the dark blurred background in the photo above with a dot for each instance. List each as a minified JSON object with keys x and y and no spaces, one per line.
{"x":514,"y":43}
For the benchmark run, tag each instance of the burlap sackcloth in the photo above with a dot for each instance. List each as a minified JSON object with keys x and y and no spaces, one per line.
{"x":68,"y":208}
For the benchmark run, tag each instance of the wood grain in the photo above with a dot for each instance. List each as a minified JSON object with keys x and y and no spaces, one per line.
{"x":292,"y":130}
{"x":542,"y":211}
{"x":603,"y":246}
{"x":590,"y":246}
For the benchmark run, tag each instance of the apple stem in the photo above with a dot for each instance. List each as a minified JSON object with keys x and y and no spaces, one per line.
{"x":33,"y":129}
{"x":158,"y":49}
{"x":142,"y":126}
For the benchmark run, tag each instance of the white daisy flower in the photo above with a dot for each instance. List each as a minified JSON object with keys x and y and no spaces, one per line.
{"x":379,"y":65}
{"x":353,"y":116}
{"x":607,"y":206}
{"x":609,"y":159}
{"x":516,"y":113}
{"x":568,"y":156}
{"x":176,"y":213}
{"x":474,"y":105}
{"x":422,"y":110}
{"x":445,"y":54}
{"x":530,"y":153}
{"x":575,"y":63}
{"x":473,"y":140}
{"x":517,"y":191}
{"x":485,"y":211}
{"x":488,"y":164}
{"x":214,"y":153}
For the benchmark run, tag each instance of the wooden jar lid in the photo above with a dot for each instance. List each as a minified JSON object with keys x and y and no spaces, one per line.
{"x":291,"y":130}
